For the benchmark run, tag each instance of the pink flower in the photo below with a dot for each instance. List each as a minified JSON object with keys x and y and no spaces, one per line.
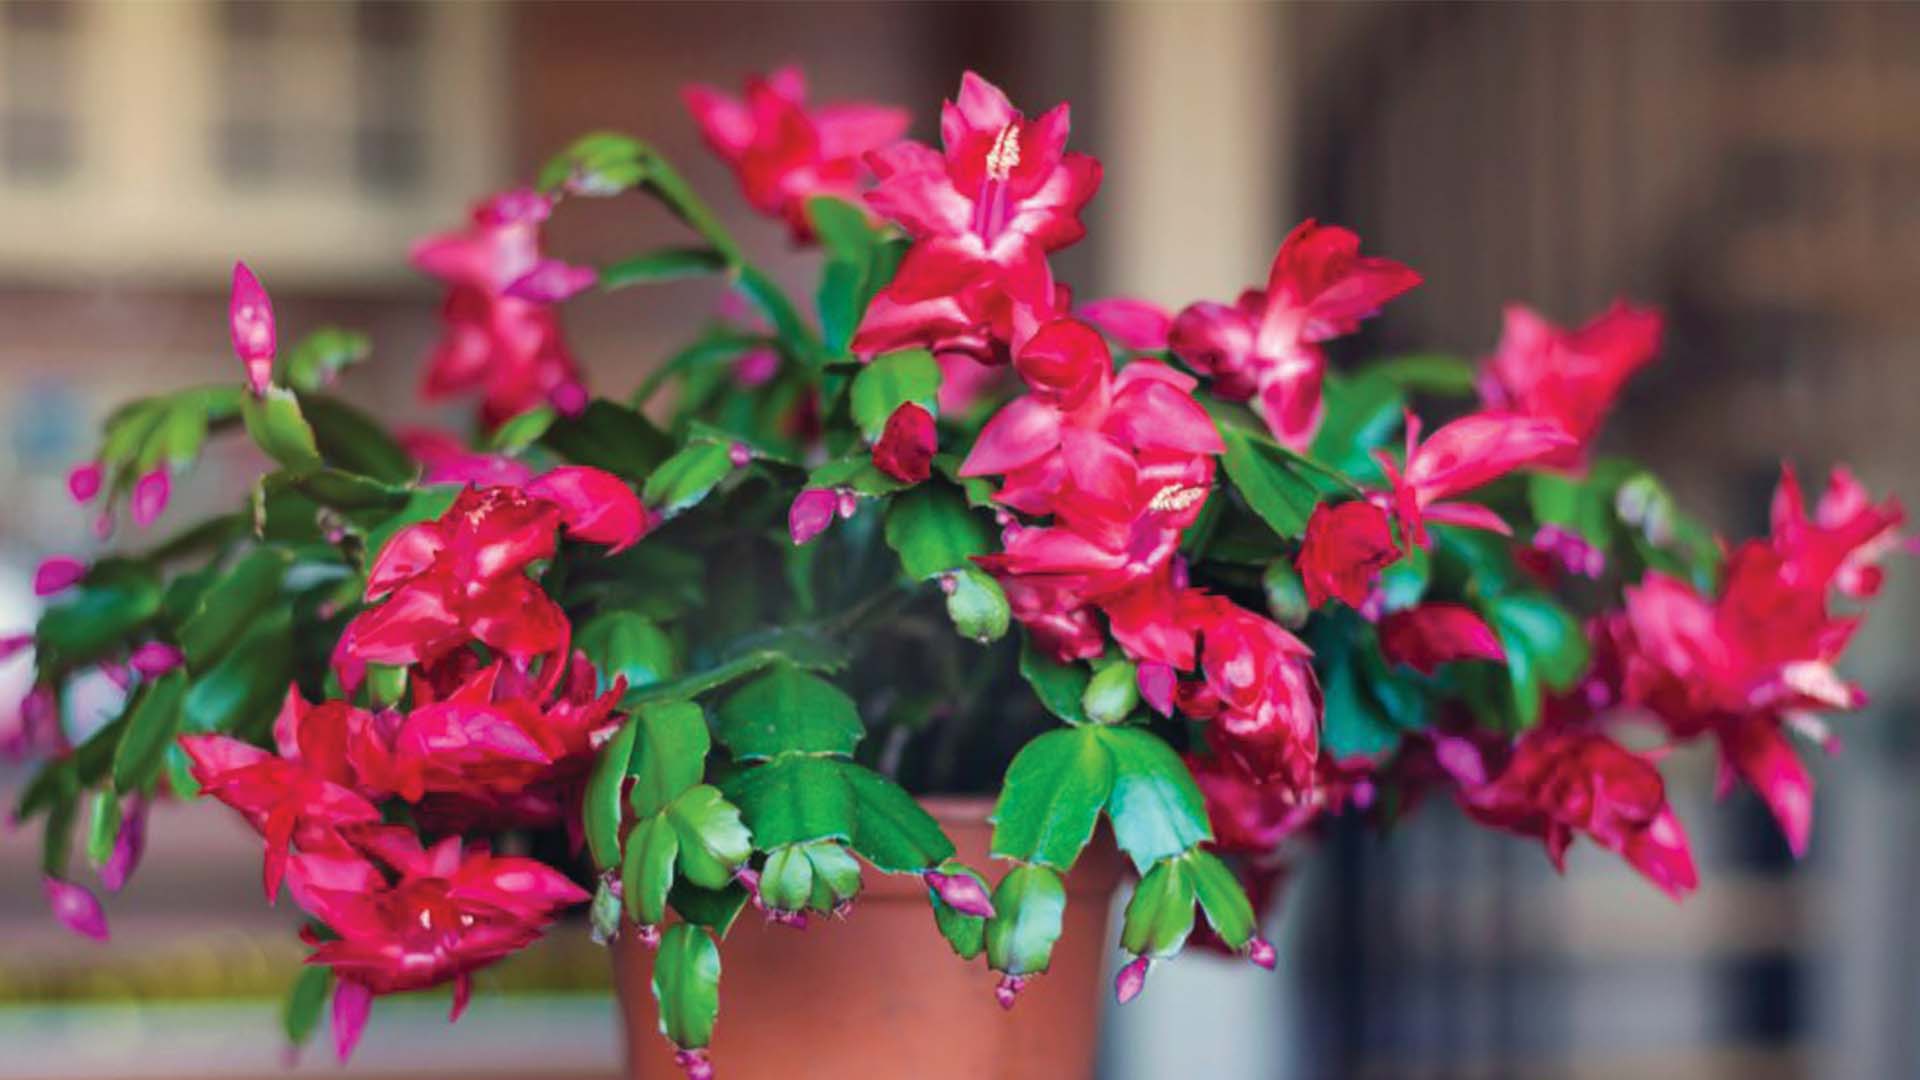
{"x":1345,"y":548}
{"x":1131,"y":324}
{"x":57,"y":573}
{"x":551,"y":281}
{"x":128,"y":845}
{"x":1846,"y":540}
{"x":75,"y":908}
{"x":1465,"y":454}
{"x":1426,"y":636}
{"x":1561,"y":782}
{"x":445,"y":459}
{"x":153,"y":659}
{"x":83,"y":483}
{"x":785,"y":153}
{"x":352,"y":1005}
{"x":812,"y":511}
{"x":250,"y":317}
{"x":906,"y":446}
{"x":509,"y":348}
{"x":150,"y":496}
{"x":1570,"y":377}
{"x":983,"y":215}
{"x":1266,"y":347}
{"x":1258,"y":695}
{"x":595,"y":506}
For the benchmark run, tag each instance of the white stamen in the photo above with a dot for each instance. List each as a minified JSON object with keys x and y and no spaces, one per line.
{"x":1005,"y":155}
{"x":1175,"y":497}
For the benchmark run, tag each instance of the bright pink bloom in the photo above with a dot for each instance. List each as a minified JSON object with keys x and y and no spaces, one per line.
{"x":1426,"y":636}
{"x":39,"y":734}
{"x":1846,"y":540}
{"x":1266,"y":347}
{"x":84,"y":481}
{"x":150,"y":496}
{"x":1569,"y":551}
{"x":352,"y":1004}
{"x":57,"y":573}
{"x":250,"y":317}
{"x":785,"y":153}
{"x":1562,"y":782}
{"x":905,"y":448}
{"x":961,"y":893}
{"x":509,"y":348}
{"x":445,"y":459}
{"x":812,"y":511}
{"x":75,"y":908}
{"x":1570,"y":377}
{"x":595,"y":506}
{"x":1131,"y":980}
{"x":153,"y":659}
{"x":1465,"y":454}
{"x":983,"y":215}
{"x":128,"y":845}
{"x":1258,"y":695}
{"x":1137,"y":325}
{"x":1345,"y":548}
{"x":551,"y":281}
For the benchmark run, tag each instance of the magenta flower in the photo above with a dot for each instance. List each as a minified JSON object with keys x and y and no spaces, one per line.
{"x":1426,"y":636}
{"x":905,"y":448}
{"x":1131,"y":324}
{"x":150,"y":496}
{"x":250,"y":318}
{"x":1845,"y":541}
{"x":551,"y":281}
{"x":1468,"y":453}
{"x":153,"y":659}
{"x":84,"y":481}
{"x":812,"y":511}
{"x":785,"y":153}
{"x":1266,"y":347}
{"x":1258,"y":695}
{"x":57,"y":573}
{"x":75,"y":908}
{"x":1570,"y":377}
{"x":445,"y":459}
{"x":1345,"y":548}
{"x":128,"y":845}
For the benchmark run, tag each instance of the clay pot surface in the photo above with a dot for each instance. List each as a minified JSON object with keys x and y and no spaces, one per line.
{"x":880,"y":994}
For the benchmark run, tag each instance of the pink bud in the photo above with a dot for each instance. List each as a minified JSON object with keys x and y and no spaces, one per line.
{"x":352,"y":1002}
{"x":150,"y":495}
{"x":1008,"y":989}
{"x":755,"y":367}
{"x":811,"y":512}
{"x":56,"y":573}
{"x":128,"y":846}
{"x":250,"y":316}
{"x":848,"y":504}
{"x":154,"y":659}
{"x":117,"y":674}
{"x":961,"y":893}
{"x":1157,"y":684}
{"x":905,"y":448}
{"x":83,"y":483}
{"x":75,"y":908}
{"x":551,"y":281}
{"x":569,"y":398}
{"x":949,"y":584}
{"x":1260,"y":951}
{"x":695,"y":1064}
{"x":14,"y":643}
{"x":1131,"y":980}
{"x":740,"y":454}
{"x":521,"y":206}
{"x":648,"y":935}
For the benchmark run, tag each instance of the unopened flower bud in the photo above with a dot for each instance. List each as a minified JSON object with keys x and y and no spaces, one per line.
{"x":83,"y":483}
{"x":150,"y":495}
{"x":812,"y":511}
{"x":961,"y":892}
{"x":648,"y":934}
{"x":695,"y":1064}
{"x":740,"y":454}
{"x":849,"y":503}
{"x":1112,"y":694}
{"x":57,"y":573}
{"x":1260,"y":951}
{"x":1131,"y":980}
{"x":1008,"y":989}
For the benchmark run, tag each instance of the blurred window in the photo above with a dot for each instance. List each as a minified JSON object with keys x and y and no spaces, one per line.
{"x":315,"y":139}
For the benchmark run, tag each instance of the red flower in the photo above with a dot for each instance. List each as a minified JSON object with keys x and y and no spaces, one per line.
{"x":1426,"y":636}
{"x":906,"y":446}
{"x":1560,"y":782}
{"x":1258,"y":695}
{"x":785,"y":153}
{"x":1845,"y":541}
{"x":1568,"y":376}
{"x":1131,"y":324}
{"x":983,"y":216}
{"x":1465,"y":454}
{"x":508,"y":347}
{"x":595,"y":506}
{"x":290,"y":804}
{"x":1345,"y":548}
{"x":435,"y":915}
{"x":445,"y":459}
{"x":1267,"y":346}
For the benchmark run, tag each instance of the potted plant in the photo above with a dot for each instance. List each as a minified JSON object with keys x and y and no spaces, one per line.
{"x":1161,"y":588}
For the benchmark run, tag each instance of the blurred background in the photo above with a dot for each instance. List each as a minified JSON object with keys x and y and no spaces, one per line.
{"x":1752,"y":169}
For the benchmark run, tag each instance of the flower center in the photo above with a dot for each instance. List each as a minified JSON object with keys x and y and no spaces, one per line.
{"x":990,"y":207}
{"x":1175,"y":497}
{"x":1005,"y":155}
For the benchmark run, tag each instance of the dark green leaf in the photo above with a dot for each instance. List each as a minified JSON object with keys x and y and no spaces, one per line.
{"x":669,"y":753}
{"x":1225,"y":903}
{"x":686,"y":983}
{"x":114,"y":600}
{"x":351,"y":440}
{"x":242,"y":692}
{"x":1060,"y":687}
{"x":1027,"y":909}
{"x":305,"y":998}
{"x":152,"y":723}
{"x":321,"y":356}
{"x":933,"y":531}
{"x":842,"y":299}
{"x":1052,"y":797}
{"x":890,"y":829}
{"x":1156,"y":807}
{"x":788,"y":710}
{"x":1160,"y":913}
{"x":714,"y":909}
{"x":611,"y":437}
{"x":792,"y":800}
{"x":646,"y":870}
{"x":1272,"y":486}
{"x":622,"y":644}
{"x":231,"y":606}
{"x":845,"y":231}
{"x":1544,"y":644}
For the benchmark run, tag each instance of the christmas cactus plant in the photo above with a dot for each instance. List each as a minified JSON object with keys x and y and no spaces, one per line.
{"x":934,"y":526}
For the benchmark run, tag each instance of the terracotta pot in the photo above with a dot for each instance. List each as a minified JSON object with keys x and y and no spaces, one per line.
{"x":881,"y":994}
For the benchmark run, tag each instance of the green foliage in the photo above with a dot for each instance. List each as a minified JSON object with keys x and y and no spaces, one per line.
{"x":1159,"y":915}
{"x":625,"y":644}
{"x":668,"y":755}
{"x":934,"y":532}
{"x":319,"y":358}
{"x":278,"y":428}
{"x":1062,"y":688}
{"x":664,"y":264}
{"x":686,"y":984}
{"x":1546,"y":649}
{"x":890,"y":381}
{"x":687,"y":477}
{"x":789,"y":711}
{"x":600,"y":807}
{"x":646,"y":870}
{"x":300,"y":1015}
{"x":152,"y":722}
{"x":713,"y":841}
{"x":1052,"y":797}
{"x":114,"y":600}
{"x":1028,"y":906}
